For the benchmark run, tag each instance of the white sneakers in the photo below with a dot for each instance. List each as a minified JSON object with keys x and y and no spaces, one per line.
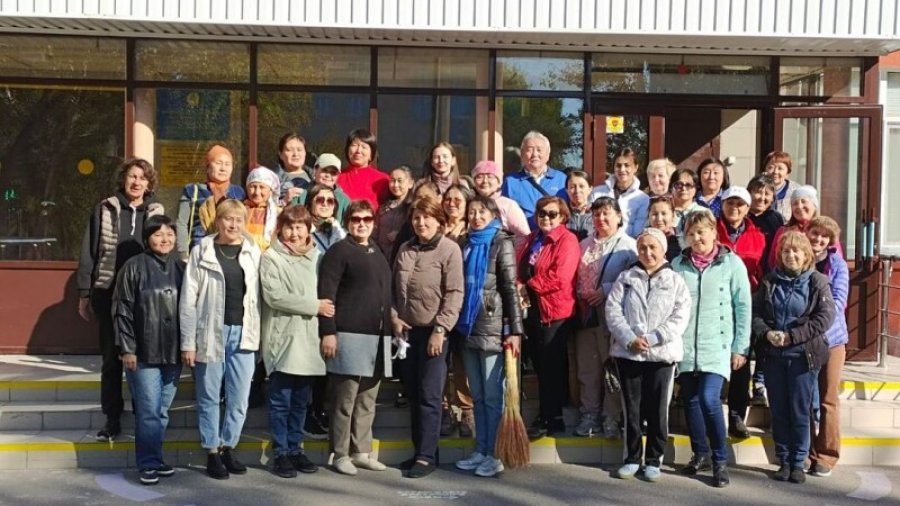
{"x":483,"y":465}
{"x":364,"y":461}
{"x":344,"y":465}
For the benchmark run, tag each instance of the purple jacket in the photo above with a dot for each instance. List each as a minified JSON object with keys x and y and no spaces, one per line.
{"x":835,"y":267}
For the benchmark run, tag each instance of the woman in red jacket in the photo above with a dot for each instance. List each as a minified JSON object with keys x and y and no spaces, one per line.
{"x":739,"y":233}
{"x":360,"y":180}
{"x":548,"y":261}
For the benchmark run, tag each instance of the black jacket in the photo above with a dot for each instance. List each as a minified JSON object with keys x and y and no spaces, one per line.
{"x":809,"y":328}
{"x":499,"y":301}
{"x":145,"y":308}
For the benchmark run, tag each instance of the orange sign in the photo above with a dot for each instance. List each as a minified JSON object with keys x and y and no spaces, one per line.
{"x":615,"y":124}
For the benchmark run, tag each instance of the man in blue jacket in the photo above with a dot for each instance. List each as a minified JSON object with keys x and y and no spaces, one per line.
{"x":536,"y":179}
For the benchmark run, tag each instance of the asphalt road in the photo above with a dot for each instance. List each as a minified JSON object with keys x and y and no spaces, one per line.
{"x":539,"y":485}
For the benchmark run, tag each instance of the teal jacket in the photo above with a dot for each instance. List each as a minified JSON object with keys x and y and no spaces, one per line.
{"x":721,"y":313}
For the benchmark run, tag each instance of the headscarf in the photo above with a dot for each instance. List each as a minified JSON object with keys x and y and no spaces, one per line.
{"x":475,"y":270}
{"x":265,"y":176}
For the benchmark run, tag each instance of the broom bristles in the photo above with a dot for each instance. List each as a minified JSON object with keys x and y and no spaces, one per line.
{"x":512,"y":445}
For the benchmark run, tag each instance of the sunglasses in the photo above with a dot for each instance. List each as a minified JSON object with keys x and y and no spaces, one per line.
{"x":548,"y":214}
{"x":356,"y":220}
{"x":328,"y":201}
{"x":683,"y":186}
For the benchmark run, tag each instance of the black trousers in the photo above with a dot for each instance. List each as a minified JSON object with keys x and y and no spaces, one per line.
{"x":423,"y":381}
{"x":111,"y":366}
{"x":548,"y":348}
{"x":739,"y":391}
{"x":646,"y":392}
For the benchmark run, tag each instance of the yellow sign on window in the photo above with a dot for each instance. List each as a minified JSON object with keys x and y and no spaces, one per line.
{"x":615,"y":124}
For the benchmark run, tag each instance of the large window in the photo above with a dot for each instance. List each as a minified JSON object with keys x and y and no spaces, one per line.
{"x":314,"y":65}
{"x":62,"y":57}
{"x":59,"y":148}
{"x":182,"y":124}
{"x":819,"y":76}
{"x":890,"y":223}
{"x":431,"y":68}
{"x":672,"y":73}
{"x":409,"y":125}
{"x":323,"y":119}
{"x":560,"y":119}
{"x":540,"y":70}
{"x":179,"y":60}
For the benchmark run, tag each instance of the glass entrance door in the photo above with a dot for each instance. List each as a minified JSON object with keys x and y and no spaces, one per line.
{"x":837,"y":149}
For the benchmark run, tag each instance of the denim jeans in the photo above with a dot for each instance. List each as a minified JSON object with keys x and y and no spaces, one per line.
{"x":236,"y":372}
{"x":790,"y":401}
{"x":701,"y":394}
{"x":486,"y":373}
{"x":288,"y":399}
{"x":152,"y":388}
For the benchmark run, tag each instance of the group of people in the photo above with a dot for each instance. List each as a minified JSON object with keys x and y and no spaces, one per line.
{"x":320,"y":282}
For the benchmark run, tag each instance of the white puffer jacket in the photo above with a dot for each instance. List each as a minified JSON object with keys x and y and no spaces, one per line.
{"x":634,"y":203}
{"x":657,"y":306}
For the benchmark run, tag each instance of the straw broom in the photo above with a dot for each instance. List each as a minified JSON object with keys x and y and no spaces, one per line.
{"x":512,"y":445}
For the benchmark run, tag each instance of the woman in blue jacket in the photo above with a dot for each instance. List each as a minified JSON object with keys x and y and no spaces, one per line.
{"x":717,"y":339}
{"x":792,"y":344}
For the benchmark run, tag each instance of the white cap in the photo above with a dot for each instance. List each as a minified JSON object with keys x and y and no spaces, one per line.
{"x":737,"y":192}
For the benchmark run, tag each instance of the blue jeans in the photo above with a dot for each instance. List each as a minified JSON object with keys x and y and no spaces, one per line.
{"x":486,"y":373}
{"x":152,"y":388}
{"x":791,"y":386}
{"x":701,"y":393}
{"x":236,"y":372}
{"x":288,"y":398}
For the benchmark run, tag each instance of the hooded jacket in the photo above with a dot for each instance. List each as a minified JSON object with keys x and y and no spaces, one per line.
{"x":553,"y":280}
{"x":634,"y":203}
{"x":656,"y":305}
{"x":750,"y":246}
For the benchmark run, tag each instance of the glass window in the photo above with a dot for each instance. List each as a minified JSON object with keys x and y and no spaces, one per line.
{"x":179,"y":60}
{"x":62,"y":57}
{"x":409,"y":125}
{"x":816,"y":76}
{"x":430,"y":68}
{"x":671,"y":73}
{"x":315,"y":65}
{"x":560,"y":119}
{"x":323,"y":119}
{"x":890,"y":225}
{"x":538,"y":70}
{"x":59,"y":149}
{"x":634,"y":134}
{"x":184,"y":124}
{"x":892,"y":101}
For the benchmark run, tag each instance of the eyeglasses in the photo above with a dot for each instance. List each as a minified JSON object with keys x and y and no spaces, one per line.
{"x":683,"y":186}
{"x":548,"y":214}
{"x":328,"y":201}
{"x":356,"y":220}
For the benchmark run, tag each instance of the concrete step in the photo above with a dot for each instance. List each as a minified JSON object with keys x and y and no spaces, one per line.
{"x":77,"y":449}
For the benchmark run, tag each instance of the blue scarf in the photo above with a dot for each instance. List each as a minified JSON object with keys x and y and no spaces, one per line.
{"x":475,"y":269}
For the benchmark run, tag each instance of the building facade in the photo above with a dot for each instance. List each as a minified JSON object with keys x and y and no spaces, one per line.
{"x":87,"y":82}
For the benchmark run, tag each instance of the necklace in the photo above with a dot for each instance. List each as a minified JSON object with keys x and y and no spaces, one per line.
{"x":232,"y":257}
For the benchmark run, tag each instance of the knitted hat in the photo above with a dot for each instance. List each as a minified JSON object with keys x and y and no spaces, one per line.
{"x":215,"y":151}
{"x":656,"y":234}
{"x":806,"y":192}
{"x":265,"y":176}
{"x":487,"y":167}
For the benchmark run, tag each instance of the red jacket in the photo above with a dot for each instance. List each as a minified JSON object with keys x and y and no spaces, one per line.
{"x":364,"y":183}
{"x":750,"y":247}
{"x":554,"y":273}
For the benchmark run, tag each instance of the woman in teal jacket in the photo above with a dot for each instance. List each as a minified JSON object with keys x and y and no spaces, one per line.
{"x":717,"y":339}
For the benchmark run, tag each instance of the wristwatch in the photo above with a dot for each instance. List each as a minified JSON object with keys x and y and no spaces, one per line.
{"x":439,"y":329}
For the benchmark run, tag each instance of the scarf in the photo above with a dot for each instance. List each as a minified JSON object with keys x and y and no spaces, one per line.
{"x":443,"y":182}
{"x":302,"y":250}
{"x":218,"y":189}
{"x":702,"y":261}
{"x":475,"y":269}
{"x":261,"y":221}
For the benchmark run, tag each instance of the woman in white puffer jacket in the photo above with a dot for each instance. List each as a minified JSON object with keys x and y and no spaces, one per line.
{"x":647,"y":312}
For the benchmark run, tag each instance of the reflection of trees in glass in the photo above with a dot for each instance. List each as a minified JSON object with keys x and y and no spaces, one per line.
{"x":43,"y":136}
{"x":635,"y":136}
{"x":562,"y":125}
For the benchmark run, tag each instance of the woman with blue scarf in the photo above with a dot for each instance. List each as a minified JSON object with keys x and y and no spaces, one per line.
{"x":490,"y":319}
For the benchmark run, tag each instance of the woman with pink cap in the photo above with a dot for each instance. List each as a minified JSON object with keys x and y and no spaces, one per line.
{"x":488,"y":180}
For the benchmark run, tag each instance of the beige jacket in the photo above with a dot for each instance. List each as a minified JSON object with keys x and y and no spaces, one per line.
{"x":290,"y":327}
{"x":428,"y":283}
{"x":202,"y":305}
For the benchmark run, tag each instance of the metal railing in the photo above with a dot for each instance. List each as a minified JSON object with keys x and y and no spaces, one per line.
{"x":887,"y":269}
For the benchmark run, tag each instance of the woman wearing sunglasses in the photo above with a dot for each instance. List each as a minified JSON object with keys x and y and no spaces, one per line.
{"x":548,"y":261}
{"x":356,"y":276}
{"x":683,"y":187}
{"x":321,"y":204}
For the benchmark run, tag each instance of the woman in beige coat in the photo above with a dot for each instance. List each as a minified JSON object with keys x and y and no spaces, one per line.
{"x":290,"y":335}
